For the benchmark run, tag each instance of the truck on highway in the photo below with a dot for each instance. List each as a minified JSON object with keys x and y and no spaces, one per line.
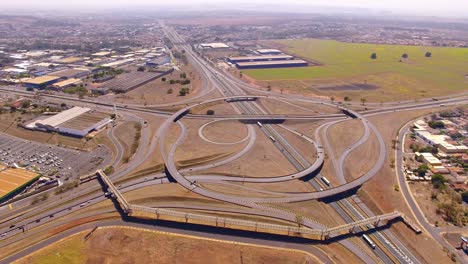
{"x":259,"y":124}
{"x":272,"y":139}
{"x":369,"y":241}
{"x":325,"y":180}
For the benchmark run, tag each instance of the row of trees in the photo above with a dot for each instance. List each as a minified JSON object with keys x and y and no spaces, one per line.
{"x":404,"y":55}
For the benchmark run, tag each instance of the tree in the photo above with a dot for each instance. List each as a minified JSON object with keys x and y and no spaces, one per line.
{"x":422,"y":169}
{"x":332,"y":98}
{"x":163,"y":79}
{"x":29,"y":89}
{"x":25,"y":104}
{"x":63,"y":105}
{"x":183,"y":75}
{"x":465,"y":196}
{"x":404,"y":56}
{"x":172,"y":82}
{"x":184,"y":91}
{"x":12,"y":109}
{"x":210,"y":112}
{"x":438,"y":181}
{"x":185,"y":82}
{"x":374,"y":56}
{"x":170,"y":91}
{"x":428,"y":54}
{"x":347,"y":98}
{"x":363,"y":101}
{"x":141,"y":69}
{"x":436,"y":124}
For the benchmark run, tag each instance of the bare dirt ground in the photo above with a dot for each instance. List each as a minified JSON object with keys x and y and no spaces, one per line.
{"x":125,"y":245}
{"x":125,"y":133}
{"x":362,"y":159}
{"x":344,"y":134}
{"x":225,"y":131}
{"x":380,"y":194}
{"x":306,"y":149}
{"x":297,"y":108}
{"x":195,"y":147}
{"x":264,"y":160}
{"x":422,"y":193}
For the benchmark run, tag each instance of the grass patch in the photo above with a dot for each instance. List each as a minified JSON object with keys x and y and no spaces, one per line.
{"x":350,"y":64}
{"x":71,"y":251}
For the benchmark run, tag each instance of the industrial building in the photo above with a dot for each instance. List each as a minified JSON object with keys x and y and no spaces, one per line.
{"x":76,"y":121}
{"x":214,"y":45}
{"x":71,"y":73}
{"x":129,"y":81}
{"x":14,"y":180}
{"x":42,"y":81}
{"x":271,"y":64}
{"x":66,"y":83}
{"x":260,"y":58}
{"x":269,"y":52}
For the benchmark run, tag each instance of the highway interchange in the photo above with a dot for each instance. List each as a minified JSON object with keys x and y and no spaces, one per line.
{"x":28,"y":220}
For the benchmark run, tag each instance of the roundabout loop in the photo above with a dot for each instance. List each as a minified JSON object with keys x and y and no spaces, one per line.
{"x":191,"y":185}
{"x":200,"y":133}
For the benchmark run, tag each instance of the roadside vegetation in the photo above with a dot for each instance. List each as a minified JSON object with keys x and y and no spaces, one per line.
{"x":450,"y":204}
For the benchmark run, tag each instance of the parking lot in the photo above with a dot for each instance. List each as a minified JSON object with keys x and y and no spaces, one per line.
{"x":50,"y":160}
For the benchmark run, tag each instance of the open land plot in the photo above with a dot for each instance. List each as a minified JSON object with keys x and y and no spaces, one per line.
{"x":362,"y":159}
{"x":347,"y":70}
{"x":263,"y":160}
{"x":303,"y":147}
{"x":125,"y":245}
{"x":195,"y":150}
{"x":225,"y":131}
{"x":125,"y":134}
{"x":344,"y":134}
{"x":296,"y":108}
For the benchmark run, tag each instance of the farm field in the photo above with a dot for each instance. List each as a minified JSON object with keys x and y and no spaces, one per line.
{"x":346,"y":69}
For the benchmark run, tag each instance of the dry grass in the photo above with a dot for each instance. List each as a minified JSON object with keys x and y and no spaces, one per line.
{"x":125,"y":245}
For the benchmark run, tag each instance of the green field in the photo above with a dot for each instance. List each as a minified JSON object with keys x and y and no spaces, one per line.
{"x":343,"y":64}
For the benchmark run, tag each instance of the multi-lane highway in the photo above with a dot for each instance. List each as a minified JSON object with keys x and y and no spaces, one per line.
{"x":23,"y":219}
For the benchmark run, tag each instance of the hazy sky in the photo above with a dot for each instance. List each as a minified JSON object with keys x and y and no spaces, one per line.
{"x":432,"y":7}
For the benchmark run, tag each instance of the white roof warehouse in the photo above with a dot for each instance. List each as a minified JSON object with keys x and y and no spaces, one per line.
{"x":76,"y":121}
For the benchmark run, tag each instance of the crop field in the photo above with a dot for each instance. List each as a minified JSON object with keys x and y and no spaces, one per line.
{"x":346,"y":69}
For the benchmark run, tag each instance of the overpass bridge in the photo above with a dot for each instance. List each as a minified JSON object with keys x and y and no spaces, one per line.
{"x":261,"y":117}
{"x":120,"y":199}
{"x":231,"y":223}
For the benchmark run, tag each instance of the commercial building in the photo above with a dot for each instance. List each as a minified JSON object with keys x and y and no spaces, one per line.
{"x":214,"y":45}
{"x":66,"y":83}
{"x":76,"y":121}
{"x":14,"y":180}
{"x":41,"y":82}
{"x":439,"y":140}
{"x":269,"y":51}
{"x":71,"y":73}
{"x":428,"y":158}
{"x":271,"y":64}
{"x":259,"y":58}
{"x":128,"y":81}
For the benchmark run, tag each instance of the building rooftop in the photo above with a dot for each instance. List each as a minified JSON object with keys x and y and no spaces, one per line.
{"x":67,"y":82}
{"x":69,"y":72}
{"x":62,"y":117}
{"x":265,"y":57}
{"x":214,"y":45}
{"x":42,"y":79}
{"x":280,"y":62}
{"x":84,"y":121}
{"x":269,"y":51}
